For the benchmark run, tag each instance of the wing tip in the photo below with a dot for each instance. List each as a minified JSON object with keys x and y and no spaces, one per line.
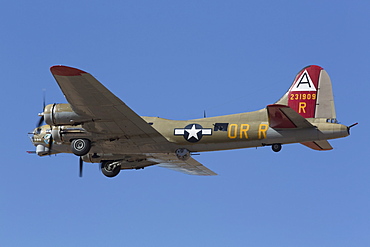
{"x":66,"y":71}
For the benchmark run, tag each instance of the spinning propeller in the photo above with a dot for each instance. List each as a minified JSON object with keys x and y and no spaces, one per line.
{"x":41,"y":120}
{"x":81,"y":166}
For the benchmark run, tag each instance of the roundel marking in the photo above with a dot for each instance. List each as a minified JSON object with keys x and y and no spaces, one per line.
{"x":193,"y":132}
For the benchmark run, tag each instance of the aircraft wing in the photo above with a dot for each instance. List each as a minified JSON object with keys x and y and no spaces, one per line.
{"x":189,"y":166}
{"x":282,"y":116}
{"x":108,"y":114}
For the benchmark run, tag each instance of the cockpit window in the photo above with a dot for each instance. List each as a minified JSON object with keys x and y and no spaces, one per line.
{"x":331,"y":120}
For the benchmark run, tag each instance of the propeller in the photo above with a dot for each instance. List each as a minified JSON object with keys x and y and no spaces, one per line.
{"x":349,"y":127}
{"x":352,"y":125}
{"x":51,"y":140}
{"x":81,"y":166}
{"x":41,"y":120}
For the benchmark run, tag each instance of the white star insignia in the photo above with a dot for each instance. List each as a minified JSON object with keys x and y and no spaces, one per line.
{"x":193,"y":132}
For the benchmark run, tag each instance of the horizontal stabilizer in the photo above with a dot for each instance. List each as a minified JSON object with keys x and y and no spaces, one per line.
{"x":282,"y":117}
{"x":318,"y":145}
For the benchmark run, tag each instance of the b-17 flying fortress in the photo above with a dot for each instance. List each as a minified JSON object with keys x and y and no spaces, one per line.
{"x":100,"y":128}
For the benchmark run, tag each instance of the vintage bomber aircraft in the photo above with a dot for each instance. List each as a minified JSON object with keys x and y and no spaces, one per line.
{"x":98,"y":127}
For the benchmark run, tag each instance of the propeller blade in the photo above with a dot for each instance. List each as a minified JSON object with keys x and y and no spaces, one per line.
{"x":352,"y":125}
{"x":81,"y":166}
{"x":41,"y":120}
{"x":43,"y":99}
{"x":51,"y":140}
{"x":349,"y":127}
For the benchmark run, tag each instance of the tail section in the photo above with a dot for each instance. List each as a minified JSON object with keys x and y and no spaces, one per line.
{"x":311,"y":94}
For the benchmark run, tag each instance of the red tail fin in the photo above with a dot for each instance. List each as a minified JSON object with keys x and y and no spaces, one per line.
{"x":311,"y":94}
{"x":302,"y":95}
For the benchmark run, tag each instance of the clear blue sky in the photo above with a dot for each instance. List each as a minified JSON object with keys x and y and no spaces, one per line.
{"x":174,"y":59}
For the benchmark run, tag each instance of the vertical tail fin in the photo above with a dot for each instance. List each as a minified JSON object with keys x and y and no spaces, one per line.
{"x":311,"y":94}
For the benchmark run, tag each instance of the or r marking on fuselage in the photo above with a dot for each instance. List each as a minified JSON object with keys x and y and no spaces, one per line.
{"x":232,"y":131}
{"x":241,"y":131}
{"x":262,"y":128}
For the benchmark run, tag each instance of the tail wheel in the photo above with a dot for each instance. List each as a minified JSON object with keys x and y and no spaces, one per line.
{"x":276,"y":147}
{"x":80,"y":147}
{"x":110,"y":168}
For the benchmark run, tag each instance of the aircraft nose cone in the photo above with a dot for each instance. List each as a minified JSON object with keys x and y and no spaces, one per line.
{"x":38,"y":135}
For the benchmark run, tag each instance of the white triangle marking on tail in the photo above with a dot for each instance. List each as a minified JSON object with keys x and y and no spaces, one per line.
{"x":304,"y":83}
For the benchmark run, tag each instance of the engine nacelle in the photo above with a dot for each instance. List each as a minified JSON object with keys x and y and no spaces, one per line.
{"x":62,"y":114}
